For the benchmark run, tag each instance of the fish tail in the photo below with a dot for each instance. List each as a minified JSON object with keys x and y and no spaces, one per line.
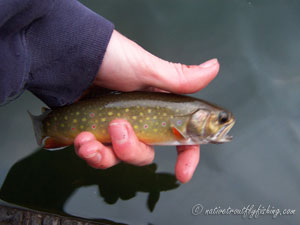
{"x":38,"y":128}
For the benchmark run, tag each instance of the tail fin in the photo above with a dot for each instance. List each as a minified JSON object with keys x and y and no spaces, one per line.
{"x":38,"y":127}
{"x":42,"y":139}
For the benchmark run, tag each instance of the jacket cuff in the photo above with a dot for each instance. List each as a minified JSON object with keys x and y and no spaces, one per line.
{"x":66,"y":48}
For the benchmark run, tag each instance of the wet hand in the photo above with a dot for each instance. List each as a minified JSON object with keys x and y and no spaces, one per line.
{"x":128,"y":67}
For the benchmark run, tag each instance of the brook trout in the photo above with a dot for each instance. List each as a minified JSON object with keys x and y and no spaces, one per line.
{"x":157,"y":119}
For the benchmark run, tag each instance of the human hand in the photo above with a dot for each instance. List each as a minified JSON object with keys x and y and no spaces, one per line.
{"x":128,"y":67}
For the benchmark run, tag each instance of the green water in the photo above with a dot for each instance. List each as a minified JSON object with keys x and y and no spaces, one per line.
{"x":258,"y":46}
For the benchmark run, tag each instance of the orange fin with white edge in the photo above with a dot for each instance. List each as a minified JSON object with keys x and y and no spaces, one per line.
{"x":51,"y":144}
{"x":178,"y":134}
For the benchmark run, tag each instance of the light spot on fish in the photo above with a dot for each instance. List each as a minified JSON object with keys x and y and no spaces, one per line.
{"x":155,"y":130}
{"x":149,"y":110}
{"x":81,"y":126}
{"x":74,"y":121}
{"x":66,"y":117}
{"x":62,"y":125}
{"x":134,"y":117}
{"x":83,"y":119}
{"x":141,"y":121}
{"x":165,"y":114}
{"x":126,"y":110}
{"x":136,"y":126}
{"x":118,"y":114}
{"x":96,"y":121}
{"x":77,"y":113}
{"x":177,"y":110}
{"x":148,"y":118}
{"x":155,"y":117}
{"x":55,"y":118}
{"x":103,"y":119}
{"x":171,"y":116}
{"x":110,"y":113}
{"x":141,"y":114}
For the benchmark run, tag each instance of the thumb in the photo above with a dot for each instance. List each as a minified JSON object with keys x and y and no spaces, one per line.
{"x":180,"y":78}
{"x":128,"y":67}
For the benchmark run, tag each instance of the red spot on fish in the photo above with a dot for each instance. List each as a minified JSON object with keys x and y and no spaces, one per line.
{"x":92,"y":115}
{"x":93,"y":126}
{"x":163,"y":124}
{"x":73,"y":128}
{"x":146,"y":126}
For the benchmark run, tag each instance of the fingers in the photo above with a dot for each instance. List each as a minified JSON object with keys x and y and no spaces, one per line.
{"x":129,"y":149}
{"x":93,"y":152}
{"x":126,"y":145}
{"x":187,"y":161}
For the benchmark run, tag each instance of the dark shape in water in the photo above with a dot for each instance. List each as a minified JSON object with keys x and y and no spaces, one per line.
{"x":44,"y":181}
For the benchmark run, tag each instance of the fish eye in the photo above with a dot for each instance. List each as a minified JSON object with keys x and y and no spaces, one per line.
{"x":223,"y":117}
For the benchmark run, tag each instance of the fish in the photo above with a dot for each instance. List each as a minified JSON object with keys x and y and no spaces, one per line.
{"x":157,"y":118}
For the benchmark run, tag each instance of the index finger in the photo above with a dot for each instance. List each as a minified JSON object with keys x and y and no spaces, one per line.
{"x":187,"y":161}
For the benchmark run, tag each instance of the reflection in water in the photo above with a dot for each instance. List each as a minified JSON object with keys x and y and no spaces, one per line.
{"x":45,"y":180}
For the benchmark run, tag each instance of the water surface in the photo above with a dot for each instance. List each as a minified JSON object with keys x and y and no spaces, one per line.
{"x":257,"y":44}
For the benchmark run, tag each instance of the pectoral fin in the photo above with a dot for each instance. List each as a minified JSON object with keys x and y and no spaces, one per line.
{"x":179,"y":135}
{"x":178,"y":125}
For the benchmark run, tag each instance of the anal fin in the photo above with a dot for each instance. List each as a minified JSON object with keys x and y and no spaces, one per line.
{"x":51,"y":144}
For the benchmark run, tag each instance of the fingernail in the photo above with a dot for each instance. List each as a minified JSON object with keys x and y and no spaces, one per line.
{"x":209,"y":63}
{"x":119,"y":133}
{"x":99,"y":157}
{"x":91,"y":155}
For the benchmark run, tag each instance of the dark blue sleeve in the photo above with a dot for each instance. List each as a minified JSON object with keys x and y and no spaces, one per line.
{"x":51,"y":47}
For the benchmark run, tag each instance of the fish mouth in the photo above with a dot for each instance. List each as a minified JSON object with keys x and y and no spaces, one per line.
{"x":222,"y":135}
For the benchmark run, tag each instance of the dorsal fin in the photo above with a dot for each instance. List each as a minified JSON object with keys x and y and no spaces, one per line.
{"x":95,"y":92}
